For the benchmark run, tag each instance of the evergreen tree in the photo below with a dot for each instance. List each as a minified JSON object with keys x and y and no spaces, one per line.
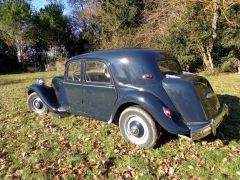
{"x":14,"y":18}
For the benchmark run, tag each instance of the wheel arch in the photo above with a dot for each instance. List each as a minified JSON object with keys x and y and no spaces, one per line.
{"x":30,"y":91}
{"x":47,"y":95}
{"x":153,"y":106}
{"x":120,"y":109}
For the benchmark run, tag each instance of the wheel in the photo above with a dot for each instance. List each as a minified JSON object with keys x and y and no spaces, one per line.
{"x":36,"y":105}
{"x":138,"y":127}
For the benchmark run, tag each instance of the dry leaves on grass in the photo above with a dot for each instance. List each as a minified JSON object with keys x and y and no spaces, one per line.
{"x":167,"y":168}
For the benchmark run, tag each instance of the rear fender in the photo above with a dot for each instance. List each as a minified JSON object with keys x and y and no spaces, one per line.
{"x":154,"y":106}
{"x":47,"y":95}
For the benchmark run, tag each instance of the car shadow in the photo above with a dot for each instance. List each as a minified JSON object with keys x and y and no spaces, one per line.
{"x":230,"y":128}
{"x":165,"y":138}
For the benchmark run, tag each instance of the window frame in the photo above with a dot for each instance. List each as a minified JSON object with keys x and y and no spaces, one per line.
{"x":95,"y":82}
{"x":67,"y":70}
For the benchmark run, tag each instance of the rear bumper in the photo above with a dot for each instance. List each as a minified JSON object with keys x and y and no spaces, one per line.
{"x":211,"y":127}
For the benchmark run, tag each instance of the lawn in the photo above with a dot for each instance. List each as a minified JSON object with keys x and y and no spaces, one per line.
{"x":40,"y":147}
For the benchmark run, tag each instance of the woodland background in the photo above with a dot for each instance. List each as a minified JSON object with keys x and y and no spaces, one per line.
{"x":202,"y":34}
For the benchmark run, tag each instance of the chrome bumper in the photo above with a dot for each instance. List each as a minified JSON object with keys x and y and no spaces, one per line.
{"x":212,"y":126}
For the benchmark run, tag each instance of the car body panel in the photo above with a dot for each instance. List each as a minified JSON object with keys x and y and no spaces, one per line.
{"x":74,"y":96}
{"x":57,"y":85}
{"x":99,"y":100}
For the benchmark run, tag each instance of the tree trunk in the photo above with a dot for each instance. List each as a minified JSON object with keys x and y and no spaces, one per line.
{"x":206,"y":48}
{"x":20,"y":55}
{"x":206,"y":56}
{"x":216,"y":13}
{"x":19,"y":46}
{"x":210,"y":59}
{"x":18,"y":50}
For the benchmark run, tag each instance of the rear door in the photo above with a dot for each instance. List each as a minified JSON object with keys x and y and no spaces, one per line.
{"x":99,"y":93}
{"x":73,"y":86}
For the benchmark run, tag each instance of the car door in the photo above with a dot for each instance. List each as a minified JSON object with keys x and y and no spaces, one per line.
{"x":99,"y":93}
{"x":73,"y":86}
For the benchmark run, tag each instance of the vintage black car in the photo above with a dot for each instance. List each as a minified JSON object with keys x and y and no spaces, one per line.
{"x":142,"y":90}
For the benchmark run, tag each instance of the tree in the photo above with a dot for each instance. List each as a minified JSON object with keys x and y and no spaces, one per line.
{"x":50,"y":29}
{"x":191,"y":29}
{"x":14,"y":18}
{"x":54,"y":25}
{"x":196,"y":23}
{"x":230,"y":32}
{"x":202,"y":27}
{"x":101,"y":20}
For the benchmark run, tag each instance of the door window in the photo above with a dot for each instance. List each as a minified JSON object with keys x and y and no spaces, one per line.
{"x":74,"y":71}
{"x":96,"y":71}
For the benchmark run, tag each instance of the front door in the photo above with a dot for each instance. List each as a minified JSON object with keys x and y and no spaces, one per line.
{"x":73,"y":87}
{"x":99,"y":93}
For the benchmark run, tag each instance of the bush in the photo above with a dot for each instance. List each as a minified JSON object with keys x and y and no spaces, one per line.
{"x":212,"y":72}
{"x":230,"y":65}
{"x":190,"y":63}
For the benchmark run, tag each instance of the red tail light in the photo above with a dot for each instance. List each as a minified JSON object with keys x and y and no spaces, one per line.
{"x":147,"y":76}
{"x":167,"y":112}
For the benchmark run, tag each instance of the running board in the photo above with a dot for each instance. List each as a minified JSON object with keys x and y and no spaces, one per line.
{"x":62,"y":109}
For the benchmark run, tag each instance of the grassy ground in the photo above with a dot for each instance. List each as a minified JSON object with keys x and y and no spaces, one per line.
{"x":33,"y":146}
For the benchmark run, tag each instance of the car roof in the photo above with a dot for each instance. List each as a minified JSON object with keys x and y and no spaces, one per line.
{"x":130,"y":53}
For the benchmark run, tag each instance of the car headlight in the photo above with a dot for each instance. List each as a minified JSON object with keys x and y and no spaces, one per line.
{"x":41,"y":81}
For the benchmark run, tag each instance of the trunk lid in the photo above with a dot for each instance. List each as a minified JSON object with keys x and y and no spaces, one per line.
{"x":205,"y":93}
{"x":208,"y":99}
{"x":193,"y":96}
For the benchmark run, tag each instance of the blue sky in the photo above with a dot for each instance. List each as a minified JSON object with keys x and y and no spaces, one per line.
{"x":37,"y":4}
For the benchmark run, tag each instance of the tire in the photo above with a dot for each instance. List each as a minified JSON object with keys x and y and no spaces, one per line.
{"x":138,"y":127}
{"x":36,"y":105}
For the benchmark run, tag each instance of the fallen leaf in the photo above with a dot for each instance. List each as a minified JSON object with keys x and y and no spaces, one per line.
{"x":171,"y":171}
{"x":224,"y":160}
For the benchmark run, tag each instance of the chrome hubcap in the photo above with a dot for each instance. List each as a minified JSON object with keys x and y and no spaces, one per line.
{"x":38,"y":105}
{"x":134,"y":130}
{"x":137,"y":130}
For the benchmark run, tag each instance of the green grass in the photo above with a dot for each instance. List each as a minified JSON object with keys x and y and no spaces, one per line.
{"x":39,"y":147}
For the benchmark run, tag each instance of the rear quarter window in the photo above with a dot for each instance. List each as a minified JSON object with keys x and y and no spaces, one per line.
{"x":169,"y":66}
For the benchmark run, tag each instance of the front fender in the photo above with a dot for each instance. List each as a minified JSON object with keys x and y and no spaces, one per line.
{"x":47,"y":95}
{"x":154,"y":106}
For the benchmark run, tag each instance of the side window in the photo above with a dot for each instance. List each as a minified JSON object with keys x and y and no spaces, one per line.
{"x":96,"y":71}
{"x":74,"y":71}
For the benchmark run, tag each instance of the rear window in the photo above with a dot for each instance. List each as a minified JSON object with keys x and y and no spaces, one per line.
{"x":169,"y":66}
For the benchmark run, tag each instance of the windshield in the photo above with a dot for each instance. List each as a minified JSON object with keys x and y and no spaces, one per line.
{"x":169,"y":66}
